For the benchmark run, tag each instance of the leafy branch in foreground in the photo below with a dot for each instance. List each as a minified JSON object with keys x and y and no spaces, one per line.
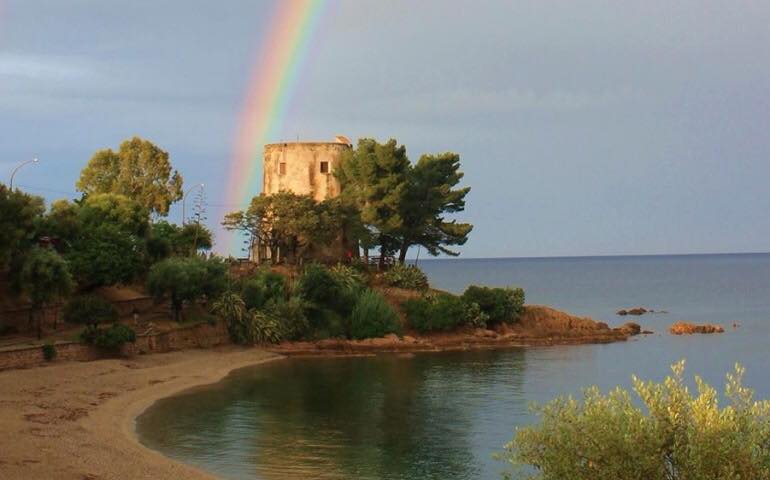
{"x":676,"y":436}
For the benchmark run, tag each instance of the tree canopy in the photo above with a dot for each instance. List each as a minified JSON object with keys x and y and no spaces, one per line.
{"x":428,"y":197}
{"x":402,"y":204}
{"x":288,"y":221}
{"x":374,"y":177}
{"x":139,"y":170}
{"x":44,"y":277}
{"x":19,"y":214}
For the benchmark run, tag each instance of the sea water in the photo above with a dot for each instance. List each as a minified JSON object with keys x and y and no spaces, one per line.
{"x":444,"y":415}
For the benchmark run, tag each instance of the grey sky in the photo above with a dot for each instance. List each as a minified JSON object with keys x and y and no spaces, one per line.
{"x":584,"y":127}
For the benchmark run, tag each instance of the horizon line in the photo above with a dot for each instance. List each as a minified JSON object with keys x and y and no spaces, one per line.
{"x":545,"y":257}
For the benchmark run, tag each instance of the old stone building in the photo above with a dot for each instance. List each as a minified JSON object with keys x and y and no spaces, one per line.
{"x":305,"y":168}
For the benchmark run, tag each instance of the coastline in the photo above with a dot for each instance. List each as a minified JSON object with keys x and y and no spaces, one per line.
{"x":76,"y":420}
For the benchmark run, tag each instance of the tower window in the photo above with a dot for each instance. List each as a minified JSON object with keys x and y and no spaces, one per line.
{"x":282,"y":168}
{"x":324,"y":167}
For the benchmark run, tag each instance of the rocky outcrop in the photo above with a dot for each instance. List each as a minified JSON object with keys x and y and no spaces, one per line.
{"x":633,"y":311}
{"x":631,"y":328}
{"x":538,"y":325}
{"x":686,"y":328}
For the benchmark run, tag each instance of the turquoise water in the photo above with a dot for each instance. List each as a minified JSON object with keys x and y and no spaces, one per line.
{"x":443,"y":415}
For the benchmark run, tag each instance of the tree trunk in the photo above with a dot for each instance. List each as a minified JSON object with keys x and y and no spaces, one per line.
{"x":176,"y":306}
{"x":39,"y":324}
{"x":381,"y":264}
{"x":402,"y":254}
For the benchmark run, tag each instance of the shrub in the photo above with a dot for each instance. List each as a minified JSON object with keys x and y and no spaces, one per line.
{"x":49,"y":351}
{"x":325,"y":291}
{"x":111,"y":338}
{"x":348,"y":277}
{"x":666,"y":434}
{"x":499,"y":304}
{"x":372,"y":316}
{"x":405,"y":276}
{"x":265,"y":328}
{"x":187,"y":279}
{"x":263,"y":288}
{"x":317,"y":284}
{"x":231,"y":307}
{"x":474,"y":316}
{"x":441,"y":312}
{"x":89,"y":310}
{"x":291,"y":315}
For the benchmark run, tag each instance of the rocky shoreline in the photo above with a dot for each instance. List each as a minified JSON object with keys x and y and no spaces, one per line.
{"x":538,"y":326}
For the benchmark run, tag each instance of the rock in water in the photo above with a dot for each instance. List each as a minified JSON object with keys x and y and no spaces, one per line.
{"x":631,"y":328}
{"x":686,"y":328}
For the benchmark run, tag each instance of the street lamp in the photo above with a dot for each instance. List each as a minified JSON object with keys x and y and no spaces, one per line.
{"x":34,"y":160}
{"x":184,"y":199}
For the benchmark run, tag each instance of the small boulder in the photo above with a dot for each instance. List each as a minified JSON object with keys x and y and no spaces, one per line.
{"x":637,"y":311}
{"x":631,"y":328}
{"x":622,"y":312}
{"x":686,"y":328}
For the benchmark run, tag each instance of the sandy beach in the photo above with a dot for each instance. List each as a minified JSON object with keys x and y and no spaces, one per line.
{"x":75,"y":420}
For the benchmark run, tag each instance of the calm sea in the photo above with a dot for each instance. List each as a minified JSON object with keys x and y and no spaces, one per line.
{"x":443,"y":415}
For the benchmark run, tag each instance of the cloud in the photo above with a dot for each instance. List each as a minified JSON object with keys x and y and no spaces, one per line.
{"x":476,"y":101}
{"x":38,"y":67}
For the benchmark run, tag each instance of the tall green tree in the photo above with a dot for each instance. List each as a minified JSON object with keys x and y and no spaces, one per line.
{"x":139,"y":170}
{"x":44,"y":278}
{"x":374,"y":177}
{"x":294,"y":223}
{"x":186,"y":279}
{"x":105,"y":254}
{"x":255,"y":221}
{"x":19,"y":213}
{"x":108,"y":242}
{"x":429,"y":196}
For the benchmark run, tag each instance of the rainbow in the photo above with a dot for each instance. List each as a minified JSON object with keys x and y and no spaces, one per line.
{"x":274,"y":78}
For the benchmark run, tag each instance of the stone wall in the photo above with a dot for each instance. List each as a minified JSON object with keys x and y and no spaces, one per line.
{"x":18,"y":319}
{"x":297,"y":167}
{"x":195,"y":336}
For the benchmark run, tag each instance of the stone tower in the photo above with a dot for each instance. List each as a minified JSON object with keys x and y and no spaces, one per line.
{"x":305,"y":168}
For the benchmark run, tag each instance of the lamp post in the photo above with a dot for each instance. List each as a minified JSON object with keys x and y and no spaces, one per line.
{"x":184,"y":199}
{"x":10,"y":184}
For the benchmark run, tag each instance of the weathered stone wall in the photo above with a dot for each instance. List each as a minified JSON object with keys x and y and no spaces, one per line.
{"x":196,"y":336}
{"x":301,"y":171}
{"x":18,"y":319}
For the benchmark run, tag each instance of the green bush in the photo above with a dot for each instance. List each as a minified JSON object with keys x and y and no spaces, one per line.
{"x":405,"y":276}
{"x":325,"y":291}
{"x":111,"y":338}
{"x":348,"y":277}
{"x":499,"y":304}
{"x":49,"y":351}
{"x":317,"y":285}
{"x":667,"y":433}
{"x":186,"y":279}
{"x":89,"y":310}
{"x":231,"y":307}
{"x":372,"y":316}
{"x":263,"y":288}
{"x":265,"y":328}
{"x":291,"y":315}
{"x":442,"y":312}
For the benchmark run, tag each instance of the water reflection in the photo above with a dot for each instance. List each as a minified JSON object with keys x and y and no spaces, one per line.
{"x":429,"y":416}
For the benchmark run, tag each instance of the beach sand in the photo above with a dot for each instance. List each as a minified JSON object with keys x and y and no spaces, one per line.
{"x":75,"y":420}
